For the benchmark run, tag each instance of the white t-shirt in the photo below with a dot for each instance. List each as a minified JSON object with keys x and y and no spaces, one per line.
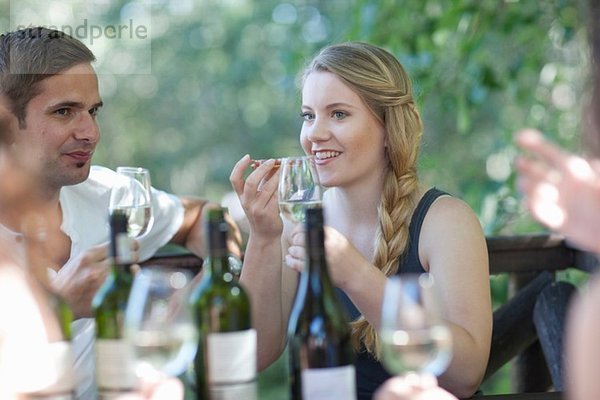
{"x":85,"y":221}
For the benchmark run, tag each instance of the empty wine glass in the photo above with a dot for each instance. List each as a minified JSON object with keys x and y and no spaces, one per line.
{"x":299,"y":187}
{"x":159,"y":322}
{"x":132,"y":195}
{"x":415,"y":339}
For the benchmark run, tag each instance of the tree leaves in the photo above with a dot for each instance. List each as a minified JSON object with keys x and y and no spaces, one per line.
{"x":225,"y":74}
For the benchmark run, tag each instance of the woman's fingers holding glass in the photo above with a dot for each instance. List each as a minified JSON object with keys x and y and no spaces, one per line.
{"x":237,"y":174}
{"x":257,"y":163}
{"x":258,"y":178}
{"x":298,"y":235}
{"x":297,"y":264}
{"x":265,"y":172}
{"x":297,"y":251}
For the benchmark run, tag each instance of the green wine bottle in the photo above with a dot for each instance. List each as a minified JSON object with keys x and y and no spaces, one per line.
{"x":115,"y":373}
{"x":319,"y":347}
{"x":225,"y":364}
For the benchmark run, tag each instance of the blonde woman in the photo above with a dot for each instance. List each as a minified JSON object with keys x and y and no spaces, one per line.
{"x":362,"y":125}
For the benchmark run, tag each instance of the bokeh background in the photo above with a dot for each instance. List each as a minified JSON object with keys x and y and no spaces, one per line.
{"x":216,"y":79}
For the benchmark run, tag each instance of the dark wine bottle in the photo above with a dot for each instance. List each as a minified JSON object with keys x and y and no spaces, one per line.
{"x":114,"y":355}
{"x":320,"y":351}
{"x":225,"y":364}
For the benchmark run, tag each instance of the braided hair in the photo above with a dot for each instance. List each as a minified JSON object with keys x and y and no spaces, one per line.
{"x":384,"y":86}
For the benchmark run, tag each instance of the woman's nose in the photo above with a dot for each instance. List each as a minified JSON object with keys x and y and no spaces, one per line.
{"x":318,"y":131}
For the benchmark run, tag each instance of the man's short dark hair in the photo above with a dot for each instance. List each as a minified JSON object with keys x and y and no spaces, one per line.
{"x":28,"y":56}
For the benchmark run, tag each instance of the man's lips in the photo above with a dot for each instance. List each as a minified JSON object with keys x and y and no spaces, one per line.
{"x":80,"y":156}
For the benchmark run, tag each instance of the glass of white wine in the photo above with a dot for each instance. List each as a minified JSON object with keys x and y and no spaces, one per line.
{"x":415,"y":339}
{"x":299,"y":187}
{"x":159,"y":322}
{"x":132,"y":194}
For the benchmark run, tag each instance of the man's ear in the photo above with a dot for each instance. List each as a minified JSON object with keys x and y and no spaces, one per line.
{"x":8,"y":123}
{"x":4,"y":132}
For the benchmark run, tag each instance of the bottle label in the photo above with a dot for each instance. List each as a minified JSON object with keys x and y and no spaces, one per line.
{"x":63,"y":387}
{"x":329,"y":383}
{"x":231,"y":357}
{"x":115,"y":370}
{"x":246,"y":391}
{"x":124,"y":248}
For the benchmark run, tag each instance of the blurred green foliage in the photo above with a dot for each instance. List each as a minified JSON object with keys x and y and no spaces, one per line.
{"x":223,"y":84}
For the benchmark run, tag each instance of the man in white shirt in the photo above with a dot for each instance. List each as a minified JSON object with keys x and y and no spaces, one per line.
{"x":48,"y":83}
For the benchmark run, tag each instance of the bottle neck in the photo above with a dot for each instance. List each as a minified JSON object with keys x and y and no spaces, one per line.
{"x":218,"y":255}
{"x":122,"y":257}
{"x":121,"y":272}
{"x":315,"y":280}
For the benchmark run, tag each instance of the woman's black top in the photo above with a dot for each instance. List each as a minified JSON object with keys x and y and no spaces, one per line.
{"x":370,"y":374}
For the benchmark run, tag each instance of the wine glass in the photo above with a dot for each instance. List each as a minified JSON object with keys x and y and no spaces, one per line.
{"x":132,"y":195}
{"x":299,"y":187}
{"x":159,"y":323}
{"x":415,"y":339}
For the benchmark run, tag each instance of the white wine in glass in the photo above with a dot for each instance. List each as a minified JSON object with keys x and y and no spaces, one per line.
{"x":159,"y":322}
{"x":299,"y":187}
{"x":133,"y":196}
{"x":414,"y":337}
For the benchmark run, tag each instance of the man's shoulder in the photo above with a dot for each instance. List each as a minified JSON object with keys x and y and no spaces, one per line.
{"x":99,"y":173}
{"x":99,"y":181}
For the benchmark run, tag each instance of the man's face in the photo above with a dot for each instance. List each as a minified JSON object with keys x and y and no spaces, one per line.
{"x":60,"y":132}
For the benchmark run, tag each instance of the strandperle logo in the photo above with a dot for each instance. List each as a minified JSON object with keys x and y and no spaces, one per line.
{"x":120,"y":36}
{"x":91,"y":32}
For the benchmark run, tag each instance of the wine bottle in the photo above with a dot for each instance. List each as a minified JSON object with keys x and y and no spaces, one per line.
{"x":58,"y":351}
{"x":225,"y":363}
{"x":319,"y":347}
{"x":115,"y":373}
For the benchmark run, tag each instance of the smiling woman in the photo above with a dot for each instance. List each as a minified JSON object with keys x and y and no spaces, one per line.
{"x":335,"y":122}
{"x":362,"y":126}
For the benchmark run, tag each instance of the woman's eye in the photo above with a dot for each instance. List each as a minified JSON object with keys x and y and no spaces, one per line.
{"x":307,"y":116}
{"x":339,"y":115}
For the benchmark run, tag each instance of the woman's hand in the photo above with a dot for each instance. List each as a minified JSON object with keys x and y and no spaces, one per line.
{"x":562,"y":190}
{"x":412,"y":388}
{"x":258,"y":196}
{"x":342,"y":257}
